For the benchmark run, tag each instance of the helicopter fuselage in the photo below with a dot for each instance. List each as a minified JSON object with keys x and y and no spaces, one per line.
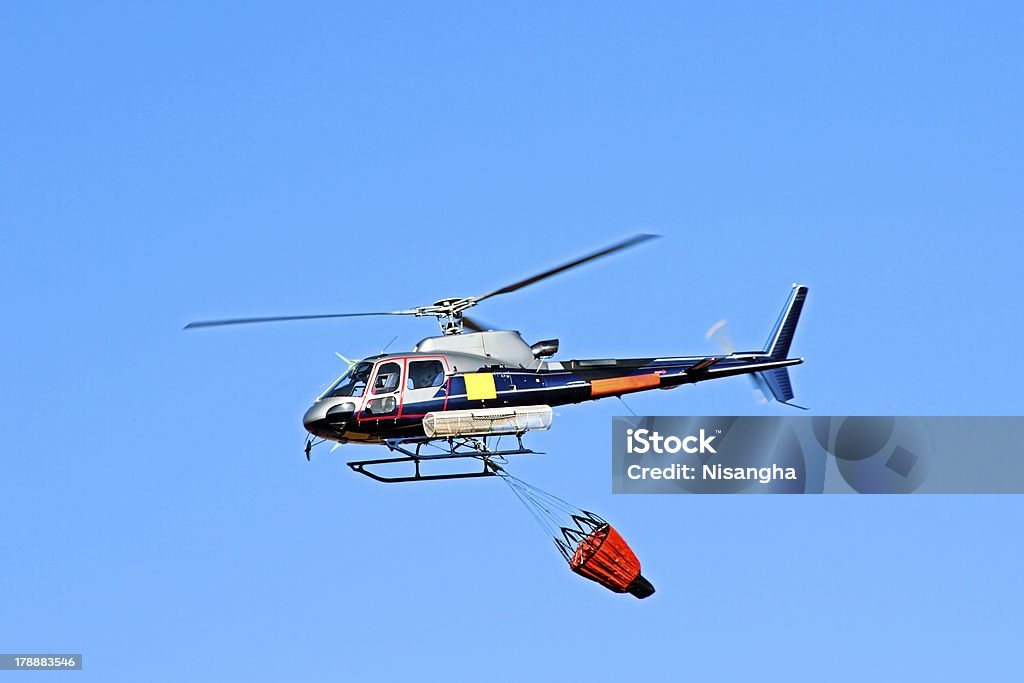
{"x":386,"y":397}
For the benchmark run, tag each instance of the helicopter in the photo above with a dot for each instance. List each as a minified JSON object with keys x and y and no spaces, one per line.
{"x":456,"y":395}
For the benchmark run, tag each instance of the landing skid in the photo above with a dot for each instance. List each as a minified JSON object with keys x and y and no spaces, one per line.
{"x":454,"y":448}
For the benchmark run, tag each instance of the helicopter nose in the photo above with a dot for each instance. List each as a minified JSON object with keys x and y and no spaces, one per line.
{"x":328,"y":417}
{"x":316,"y":413}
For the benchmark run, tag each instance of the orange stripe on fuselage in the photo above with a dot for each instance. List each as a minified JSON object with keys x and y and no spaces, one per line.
{"x":618,"y":385}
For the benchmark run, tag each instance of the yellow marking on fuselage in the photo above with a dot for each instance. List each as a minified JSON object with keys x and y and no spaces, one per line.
{"x":480,"y":386}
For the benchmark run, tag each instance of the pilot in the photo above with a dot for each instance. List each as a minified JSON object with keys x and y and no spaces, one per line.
{"x":432,"y":375}
{"x":423,"y":375}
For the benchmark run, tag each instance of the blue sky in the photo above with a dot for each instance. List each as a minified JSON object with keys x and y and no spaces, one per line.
{"x":166,"y":163}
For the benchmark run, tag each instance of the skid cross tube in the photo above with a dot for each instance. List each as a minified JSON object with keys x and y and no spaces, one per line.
{"x":466,"y":446}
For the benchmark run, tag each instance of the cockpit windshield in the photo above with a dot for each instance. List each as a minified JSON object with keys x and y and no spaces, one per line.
{"x":352,"y":383}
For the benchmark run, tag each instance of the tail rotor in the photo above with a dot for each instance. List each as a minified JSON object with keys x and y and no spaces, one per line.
{"x":719,"y":334}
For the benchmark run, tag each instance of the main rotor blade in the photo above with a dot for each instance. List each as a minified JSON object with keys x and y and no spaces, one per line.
{"x":632,"y":241}
{"x":281,"y":318}
{"x":475,"y":325}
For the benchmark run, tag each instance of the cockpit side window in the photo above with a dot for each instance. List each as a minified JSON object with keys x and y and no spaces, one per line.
{"x":388,"y":376}
{"x":424,"y":374}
